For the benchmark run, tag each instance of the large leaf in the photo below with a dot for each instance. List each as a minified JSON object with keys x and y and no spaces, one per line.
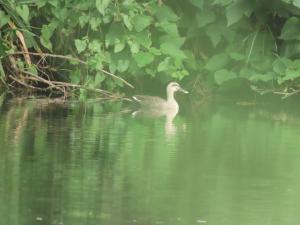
{"x":236,"y":10}
{"x":101,"y":5}
{"x":205,"y":17}
{"x":217,"y":62}
{"x":164,"y":13}
{"x":140,"y":22}
{"x":116,"y":31}
{"x":197,"y":3}
{"x":23,"y":11}
{"x":80,"y":45}
{"x":143,"y":58}
{"x":224,"y":75}
{"x":263,"y":77}
{"x":291,"y":29}
{"x":3,"y":18}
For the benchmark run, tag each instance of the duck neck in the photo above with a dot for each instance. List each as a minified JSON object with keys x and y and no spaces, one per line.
{"x":170,"y":96}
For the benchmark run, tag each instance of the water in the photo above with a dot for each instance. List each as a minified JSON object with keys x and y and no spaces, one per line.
{"x":95,"y":164}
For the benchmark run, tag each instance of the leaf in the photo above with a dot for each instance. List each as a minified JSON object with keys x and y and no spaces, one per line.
{"x":296,"y":3}
{"x":122,"y":65}
{"x":215,"y":32}
{"x":197,"y":3}
{"x":290,"y":30}
{"x":95,"y":23}
{"x":23,"y":11}
{"x":143,"y":38}
{"x":47,"y":32}
{"x":167,"y":27}
{"x":164,"y":65}
{"x":116,"y":31}
{"x":172,"y":50}
{"x":119,"y":46}
{"x":99,"y":78}
{"x":291,"y":48}
{"x":263,"y":77}
{"x":247,"y":72}
{"x":204,"y":18}
{"x":293,"y":71}
{"x":224,"y":75}
{"x":80,"y":45}
{"x":83,"y":20}
{"x":140,"y":22}
{"x":75,"y":77}
{"x":95,"y":46}
{"x":3,"y":18}
{"x":127,"y":21}
{"x":217,"y":62}
{"x":280,"y":65}
{"x":164,"y":13}
{"x":134,"y":46}
{"x":143,"y":58}
{"x":236,"y":10}
{"x":237,"y":56}
{"x":101,"y":5}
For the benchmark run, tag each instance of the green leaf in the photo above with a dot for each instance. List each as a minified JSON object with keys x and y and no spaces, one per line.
{"x":290,"y":30}
{"x":164,"y":13}
{"x":280,"y":65}
{"x":134,"y":46}
{"x":217,"y":62}
{"x":143,"y":38}
{"x":127,"y":21}
{"x":204,"y":18}
{"x":167,"y":27}
{"x":119,"y":46}
{"x":237,"y":56}
{"x":95,"y":46}
{"x":143,"y":58}
{"x":263,"y":77}
{"x":247,"y":72}
{"x":47,"y":32}
{"x":172,"y":50}
{"x":293,"y":71}
{"x":224,"y":75}
{"x":215,"y":32}
{"x":197,"y":3}
{"x":296,"y":3}
{"x":3,"y":18}
{"x":83,"y":20}
{"x":122,"y":65}
{"x":95,"y":23}
{"x":23,"y":11}
{"x":140,"y":22}
{"x":75,"y":77}
{"x":99,"y":78}
{"x":101,"y":5}
{"x":116,"y":31}
{"x":80,"y":45}
{"x":164,"y":65}
{"x":236,"y":10}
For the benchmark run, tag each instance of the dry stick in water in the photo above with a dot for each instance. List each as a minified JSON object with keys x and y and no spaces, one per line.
{"x":72,"y":59}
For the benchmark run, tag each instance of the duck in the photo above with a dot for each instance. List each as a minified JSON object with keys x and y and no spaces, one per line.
{"x":160,"y":104}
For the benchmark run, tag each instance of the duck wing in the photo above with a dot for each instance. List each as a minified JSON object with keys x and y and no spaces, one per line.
{"x":149,"y":101}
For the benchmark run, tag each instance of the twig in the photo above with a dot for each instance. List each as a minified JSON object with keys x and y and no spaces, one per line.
{"x":59,"y":84}
{"x":71,"y":59}
{"x":23,"y":43}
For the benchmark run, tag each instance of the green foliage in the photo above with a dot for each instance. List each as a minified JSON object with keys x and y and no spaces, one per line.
{"x":222,"y":40}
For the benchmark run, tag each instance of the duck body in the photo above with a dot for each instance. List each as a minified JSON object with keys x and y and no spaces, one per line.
{"x":154,"y":103}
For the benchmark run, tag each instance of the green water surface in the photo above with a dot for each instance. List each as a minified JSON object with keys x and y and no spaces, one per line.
{"x":92,"y":164}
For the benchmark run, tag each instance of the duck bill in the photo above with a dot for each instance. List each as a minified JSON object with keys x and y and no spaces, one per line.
{"x":183,"y":91}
